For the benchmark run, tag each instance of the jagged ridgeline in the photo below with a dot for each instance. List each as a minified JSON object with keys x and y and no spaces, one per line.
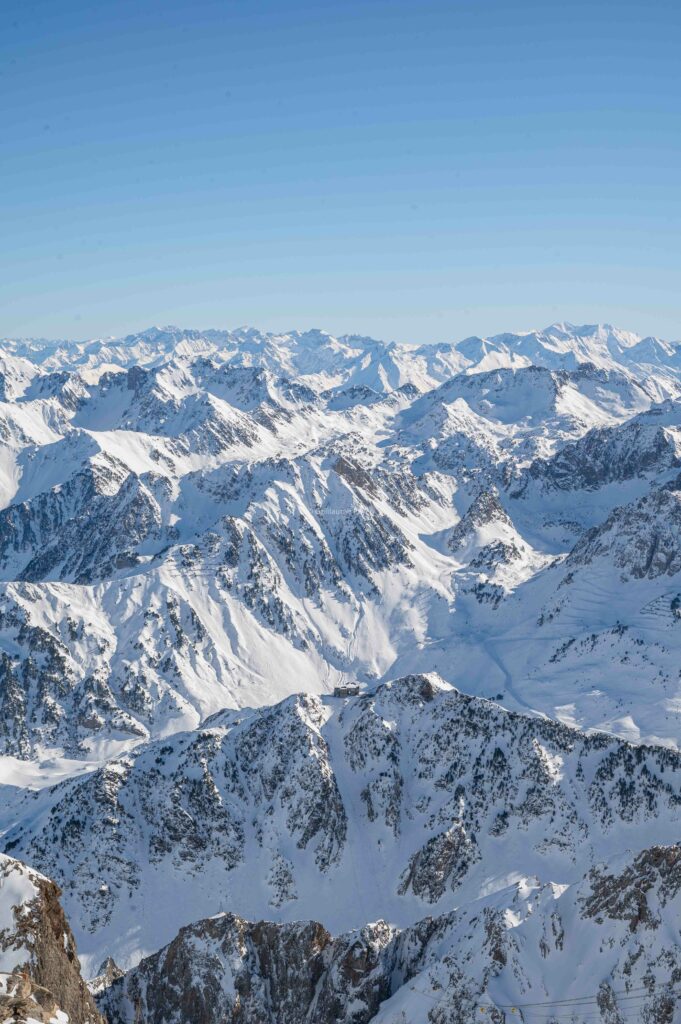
{"x":399,"y":804}
{"x":603,"y":949}
{"x":202,"y":534}
{"x":197,"y":520}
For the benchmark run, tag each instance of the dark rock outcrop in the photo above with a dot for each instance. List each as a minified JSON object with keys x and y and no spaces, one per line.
{"x":39,"y":947}
{"x":228,"y":969}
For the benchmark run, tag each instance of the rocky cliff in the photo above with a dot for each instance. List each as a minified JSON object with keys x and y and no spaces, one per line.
{"x":596,"y":951}
{"x":38,"y":959}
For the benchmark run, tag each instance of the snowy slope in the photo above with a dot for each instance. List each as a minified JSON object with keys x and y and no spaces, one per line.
{"x":403,"y":803}
{"x":194,"y":520}
{"x":203,"y":532}
{"x":603,"y":949}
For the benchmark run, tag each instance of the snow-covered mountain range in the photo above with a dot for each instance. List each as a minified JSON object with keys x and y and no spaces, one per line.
{"x":203,"y":532}
{"x":397,"y":804}
{"x":613,"y":935}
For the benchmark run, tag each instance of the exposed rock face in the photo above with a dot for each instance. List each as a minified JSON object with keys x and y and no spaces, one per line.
{"x":226,"y":968}
{"x":401,"y":802}
{"x":653,"y":877}
{"x":486,"y":510}
{"x":522,"y":945}
{"x":199,"y":521}
{"x":86,"y":530}
{"x":196,"y":520}
{"x":495,"y":556}
{"x":108,"y":972}
{"x":36,"y":942}
{"x":441,"y":861}
{"x":611,"y":454}
{"x":642,"y":539}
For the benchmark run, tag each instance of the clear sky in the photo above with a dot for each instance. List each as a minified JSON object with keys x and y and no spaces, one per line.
{"x":419,"y":171}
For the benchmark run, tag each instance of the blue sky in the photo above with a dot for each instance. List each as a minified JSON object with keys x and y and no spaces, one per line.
{"x":415,"y":171}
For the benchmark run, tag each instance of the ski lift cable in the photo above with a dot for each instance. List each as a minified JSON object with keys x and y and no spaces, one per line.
{"x":586,"y":1002}
{"x":623,"y":993}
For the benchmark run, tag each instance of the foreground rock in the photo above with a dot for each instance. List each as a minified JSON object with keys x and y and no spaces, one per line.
{"x":39,"y":970}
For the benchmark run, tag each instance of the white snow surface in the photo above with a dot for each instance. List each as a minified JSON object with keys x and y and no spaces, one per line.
{"x":230,"y":517}
{"x":200,"y":520}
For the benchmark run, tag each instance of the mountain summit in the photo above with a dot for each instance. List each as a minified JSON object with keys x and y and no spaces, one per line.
{"x":366,"y":653}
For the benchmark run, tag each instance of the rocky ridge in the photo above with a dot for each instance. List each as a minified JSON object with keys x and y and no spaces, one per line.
{"x":194,"y":520}
{"x":516,"y":949}
{"x":195,"y":525}
{"x":39,"y":968}
{"x":404,"y":801}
